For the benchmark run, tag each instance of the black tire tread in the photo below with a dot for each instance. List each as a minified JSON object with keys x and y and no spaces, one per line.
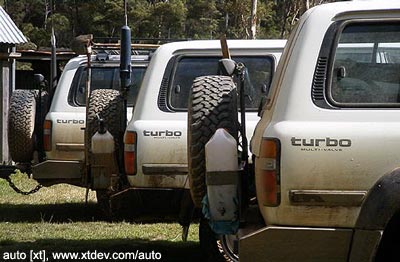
{"x":109,"y":105}
{"x":212,"y":105}
{"x":21,"y":125}
{"x":209,"y":243}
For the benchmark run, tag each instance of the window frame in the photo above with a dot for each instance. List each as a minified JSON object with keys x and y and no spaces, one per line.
{"x":72,"y":94}
{"x":330,"y":74}
{"x":178,"y":58}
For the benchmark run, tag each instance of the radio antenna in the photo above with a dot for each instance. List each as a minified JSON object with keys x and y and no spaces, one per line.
{"x":126,"y":12}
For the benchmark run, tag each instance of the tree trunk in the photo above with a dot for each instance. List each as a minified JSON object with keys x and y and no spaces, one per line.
{"x":307,"y":4}
{"x":253,"y":25}
{"x":46,"y":12}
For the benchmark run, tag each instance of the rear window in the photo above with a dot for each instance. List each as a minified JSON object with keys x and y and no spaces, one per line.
{"x":366,"y":66}
{"x":103,"y":78}
{"x":257,"y":83}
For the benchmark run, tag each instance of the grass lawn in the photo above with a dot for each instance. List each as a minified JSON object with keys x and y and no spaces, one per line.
{"x":57,"y":219}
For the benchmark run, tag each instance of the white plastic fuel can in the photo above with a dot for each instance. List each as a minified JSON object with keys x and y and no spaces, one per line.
{"x":222,"y":176}
{"x":103,"y":160}
{"x":102,"y":143}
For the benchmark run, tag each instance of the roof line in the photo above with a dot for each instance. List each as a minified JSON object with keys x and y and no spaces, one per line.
{"x":9,"y":32}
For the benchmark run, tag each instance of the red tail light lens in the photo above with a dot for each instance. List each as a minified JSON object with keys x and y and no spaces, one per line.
{"x":268,"y":172}
{"x":47,"y":129}
{"x":130,"y":144}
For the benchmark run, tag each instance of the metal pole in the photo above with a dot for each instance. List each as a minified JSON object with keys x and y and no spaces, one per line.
{"x":245,"y":155}
{"x":125,"y":77}
{"x":53,"y":66}
{"x":87,"y":95}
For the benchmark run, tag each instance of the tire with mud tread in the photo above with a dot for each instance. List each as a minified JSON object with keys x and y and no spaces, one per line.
{"x":215,"y":249}
{"x":212,"y":105}
{"x":24,"y":124}
{"x":108,"y":104}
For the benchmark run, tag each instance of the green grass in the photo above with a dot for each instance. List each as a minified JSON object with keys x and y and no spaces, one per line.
{"x":57,"y":219}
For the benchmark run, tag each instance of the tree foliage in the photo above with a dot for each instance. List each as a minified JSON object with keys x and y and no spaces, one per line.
{"x":195,"y":19}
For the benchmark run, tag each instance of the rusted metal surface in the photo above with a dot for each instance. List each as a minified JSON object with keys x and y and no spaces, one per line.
{"x":224,"y":47}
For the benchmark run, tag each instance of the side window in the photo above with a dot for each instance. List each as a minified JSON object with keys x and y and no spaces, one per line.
{"x":186,"y":70}
{"x":258,"y":78}
{"x":365,"y":71}
{"x":136,"y":77}
{"x":103,"y":78}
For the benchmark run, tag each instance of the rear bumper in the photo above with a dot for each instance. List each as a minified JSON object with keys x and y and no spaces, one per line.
{"x":309,"y":244}
{"x":57,"y":169}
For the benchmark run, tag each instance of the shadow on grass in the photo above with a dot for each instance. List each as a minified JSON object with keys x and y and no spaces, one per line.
{"x":170,"y":251}
{"x":62,"y":213}
{"x":76,"y":212}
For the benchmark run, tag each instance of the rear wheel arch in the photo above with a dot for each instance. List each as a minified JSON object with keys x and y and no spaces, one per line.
{"x":380,"y":211}
{"x":381,"y":203}
{"x":390,"y":240}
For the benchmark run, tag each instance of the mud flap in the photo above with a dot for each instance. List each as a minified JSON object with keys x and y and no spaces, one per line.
{"x":187,"y":209}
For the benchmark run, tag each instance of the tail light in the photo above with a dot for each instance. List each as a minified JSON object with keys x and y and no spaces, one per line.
{"x":268,"y":172}
{"x":130,"y":144}
{"x":47,"y":126}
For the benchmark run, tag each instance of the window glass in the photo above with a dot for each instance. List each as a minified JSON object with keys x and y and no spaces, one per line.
{"x":366,"y":65}
{"x":105,"y":78}
{"x":257,"y":82}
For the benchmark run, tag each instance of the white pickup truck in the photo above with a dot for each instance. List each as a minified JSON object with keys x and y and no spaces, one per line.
{"x":326,"y":147}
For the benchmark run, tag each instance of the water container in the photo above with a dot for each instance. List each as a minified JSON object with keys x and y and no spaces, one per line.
{"x":222,"y":176}
{"x":103,"y":161}
{"x":102,"y":143}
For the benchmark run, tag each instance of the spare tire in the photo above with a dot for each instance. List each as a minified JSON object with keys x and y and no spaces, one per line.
{"x":109,"y":105}
{"x":23,"y":123}
{"x":212,"y":105}
{"x":217,"y":248}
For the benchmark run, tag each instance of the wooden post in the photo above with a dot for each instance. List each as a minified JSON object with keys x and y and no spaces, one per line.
{"x":5,"y":90}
